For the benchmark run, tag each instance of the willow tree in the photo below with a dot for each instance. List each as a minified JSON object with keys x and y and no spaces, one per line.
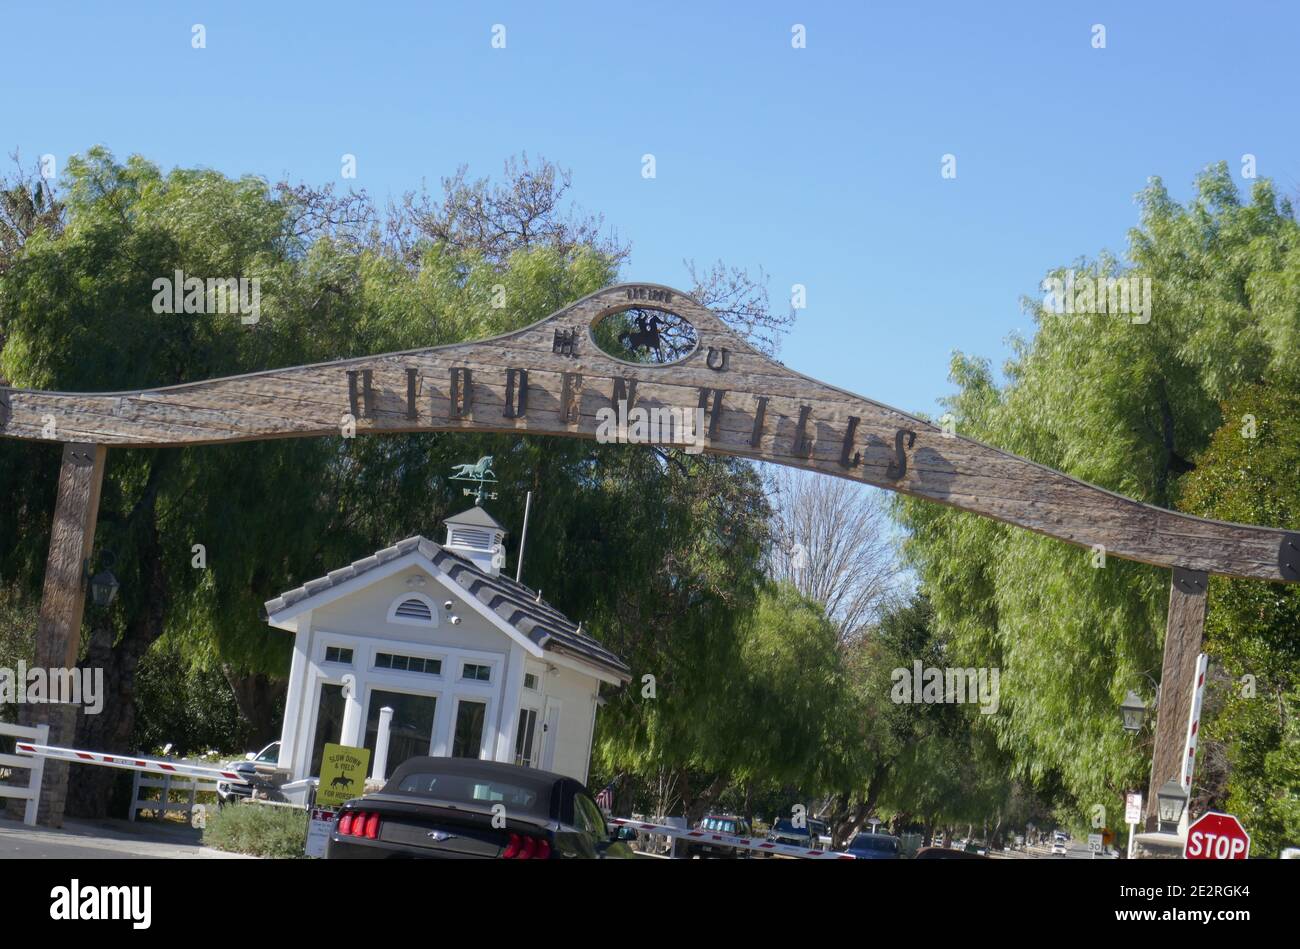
{"x":1247,"y":475}
{"x":1126,"y":402}
{"x":659,"y":552}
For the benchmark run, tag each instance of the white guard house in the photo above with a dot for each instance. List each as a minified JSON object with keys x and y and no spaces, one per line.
{"x":472,"y":663}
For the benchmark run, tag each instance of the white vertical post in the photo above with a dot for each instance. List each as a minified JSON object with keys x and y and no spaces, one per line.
{"x":512,"y":685}
{"x":523,"y":537}
{"x":352,"y":720}
{"x":300,"y":681}
{"x":380,"y":770}
{"x":34,"y":775}
{"x":1193,"y":732}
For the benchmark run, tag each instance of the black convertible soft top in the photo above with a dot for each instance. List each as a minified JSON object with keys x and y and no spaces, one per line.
{"x":473,"y":782}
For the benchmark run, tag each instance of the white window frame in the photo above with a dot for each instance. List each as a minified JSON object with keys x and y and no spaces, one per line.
{"x":408,"y":621}
{"x":407,"y":688}
{"x":446,"y":689}
{"x":308,"y":738}
{"x":486,"y":740}
{"x":410,"y":653}
{"x":351,"y":663}
{"x":493,"y":670}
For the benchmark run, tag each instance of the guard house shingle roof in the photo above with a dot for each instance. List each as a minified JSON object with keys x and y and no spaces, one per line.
{"x":513,"y":602}
{"x":475,"y":517}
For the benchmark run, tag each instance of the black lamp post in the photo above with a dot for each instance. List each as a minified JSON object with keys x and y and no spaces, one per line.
{"x":103,"y":585}
{"x":1134,"y":711}
{"x":1171,"y":801}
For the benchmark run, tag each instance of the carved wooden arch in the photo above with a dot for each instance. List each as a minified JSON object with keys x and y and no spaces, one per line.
{"x":552,"y":379}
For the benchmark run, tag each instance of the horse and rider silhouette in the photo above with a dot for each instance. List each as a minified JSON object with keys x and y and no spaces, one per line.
{"x":646,"y":335}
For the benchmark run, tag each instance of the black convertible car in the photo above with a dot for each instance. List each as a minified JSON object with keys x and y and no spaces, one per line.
{"x":466,"y":808}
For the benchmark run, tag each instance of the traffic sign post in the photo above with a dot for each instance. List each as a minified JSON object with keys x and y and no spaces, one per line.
{"x":1217,"y":836}
{"x":1132,"y":817}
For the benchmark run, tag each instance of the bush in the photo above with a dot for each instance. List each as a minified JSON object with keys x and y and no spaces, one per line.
{"x":258,"y":829}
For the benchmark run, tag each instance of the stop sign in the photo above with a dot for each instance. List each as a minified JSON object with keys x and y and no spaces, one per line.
{"x":1217,"y":837}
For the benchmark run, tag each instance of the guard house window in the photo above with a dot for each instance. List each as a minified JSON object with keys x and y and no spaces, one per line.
{"x":338,"y":654}
{"x":411,"y":731}
{"x":524,"y":737}
{"x":530,"y":681}
{"x":467,"y":741}
{"x":329,"y":722}
{"x":476,"y":673}
{"x":388,"y":660}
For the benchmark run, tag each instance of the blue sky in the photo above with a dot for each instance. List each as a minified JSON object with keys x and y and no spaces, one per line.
{"x":821,"y":164}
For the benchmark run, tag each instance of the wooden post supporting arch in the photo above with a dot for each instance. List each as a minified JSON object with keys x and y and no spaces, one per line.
{"x":63,"y":601}
{"x":551,"y":378}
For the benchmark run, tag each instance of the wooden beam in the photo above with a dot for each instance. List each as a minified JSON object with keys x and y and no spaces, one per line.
{"x":773,"y":414}
{"x":1184,"y":632}
{"x":63,"y":600}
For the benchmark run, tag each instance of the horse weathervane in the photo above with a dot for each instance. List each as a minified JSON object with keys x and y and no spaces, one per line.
{"x":481,"y":473}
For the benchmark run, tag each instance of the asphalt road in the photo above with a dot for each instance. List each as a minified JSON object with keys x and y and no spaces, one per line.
{"x":102,"y":840}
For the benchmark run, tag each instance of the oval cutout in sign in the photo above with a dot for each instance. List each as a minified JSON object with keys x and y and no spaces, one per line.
{"x":645,"y":335}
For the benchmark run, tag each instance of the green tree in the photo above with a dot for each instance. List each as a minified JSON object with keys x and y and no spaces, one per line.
{"x":657,"y":550}
{"x":1126,"y":405}
{"x":1247,"y":475}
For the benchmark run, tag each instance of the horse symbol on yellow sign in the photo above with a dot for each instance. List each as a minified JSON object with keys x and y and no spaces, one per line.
{"x":342,"y":774}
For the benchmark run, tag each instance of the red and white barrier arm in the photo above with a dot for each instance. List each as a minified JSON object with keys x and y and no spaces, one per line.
{"x":728,"y":840}
{"x":131,"y":763}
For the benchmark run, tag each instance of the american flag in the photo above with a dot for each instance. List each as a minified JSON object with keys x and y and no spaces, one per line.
{"x":605,"y":799}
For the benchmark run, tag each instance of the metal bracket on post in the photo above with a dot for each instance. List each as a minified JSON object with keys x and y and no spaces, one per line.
{"x":1190,"y":582}
{"x":1288,"y":557}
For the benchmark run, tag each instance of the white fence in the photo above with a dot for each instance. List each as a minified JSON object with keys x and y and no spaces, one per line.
{"x":190,"y":786}
{"x":34,"y":766}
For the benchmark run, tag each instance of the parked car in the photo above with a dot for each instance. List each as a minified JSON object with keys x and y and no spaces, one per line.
{"x":448,"y":808}
{"x":874,"y":847}
{"x":814,"y":835}
{"x":232,"y":793}
{"x":720,"y":824}
{"x":947,"y":853}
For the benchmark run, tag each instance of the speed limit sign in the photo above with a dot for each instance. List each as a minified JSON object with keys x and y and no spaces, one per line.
{"x":1095,"y":843}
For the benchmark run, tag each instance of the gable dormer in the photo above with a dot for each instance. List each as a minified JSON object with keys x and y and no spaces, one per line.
{"x":475,"y":535}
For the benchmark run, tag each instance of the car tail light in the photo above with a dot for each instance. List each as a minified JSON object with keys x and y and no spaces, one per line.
{"x":523,"y":847}
{"x":359,"y":824}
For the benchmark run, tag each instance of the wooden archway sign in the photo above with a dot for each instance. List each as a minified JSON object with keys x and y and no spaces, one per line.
{"x":552,"y":379}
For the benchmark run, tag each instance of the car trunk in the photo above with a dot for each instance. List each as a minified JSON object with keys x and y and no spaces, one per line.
{"x":444,"y":828}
